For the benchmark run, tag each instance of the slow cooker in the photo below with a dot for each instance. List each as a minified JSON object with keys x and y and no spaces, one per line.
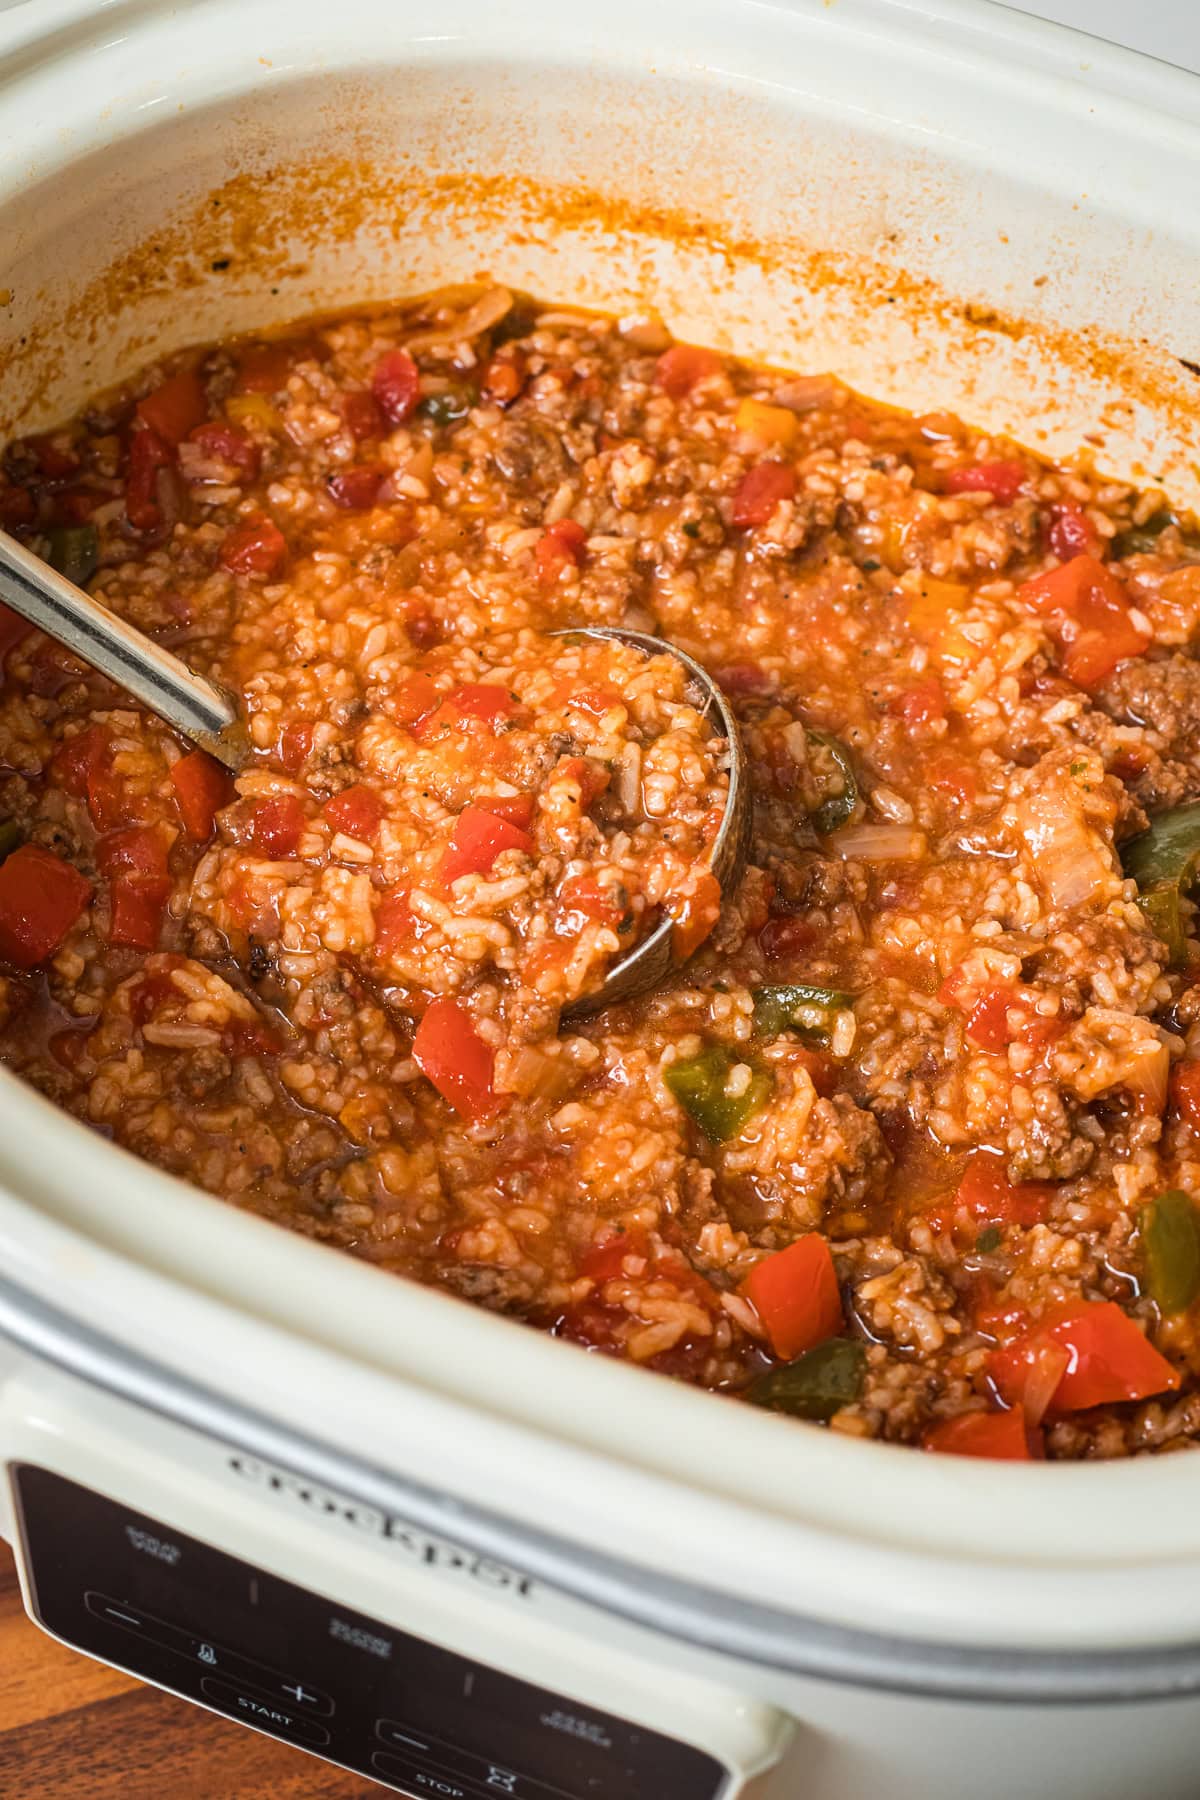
{"x":411,"y":1537}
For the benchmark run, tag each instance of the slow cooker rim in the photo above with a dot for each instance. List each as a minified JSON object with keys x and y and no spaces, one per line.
{"x":705,"y":1619}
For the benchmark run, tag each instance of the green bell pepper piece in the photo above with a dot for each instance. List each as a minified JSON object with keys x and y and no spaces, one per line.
{"x":75,"y":552}
{"x":1171,"y":1246}
{"x":1164,"y":860}
{"x":447,"y":408}
{"x":1140,"y":540}
{"x":799,"y":1007}
{"x":699,"y":1084}
{"x":837,"y":808}
{"x":1164,"y":916}
{"x":817,"y":1384}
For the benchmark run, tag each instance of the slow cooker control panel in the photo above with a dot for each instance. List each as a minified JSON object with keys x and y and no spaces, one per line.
{"x":409,"y":1714}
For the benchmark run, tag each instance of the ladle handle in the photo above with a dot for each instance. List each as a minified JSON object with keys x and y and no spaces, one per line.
{"x":195,"y":706}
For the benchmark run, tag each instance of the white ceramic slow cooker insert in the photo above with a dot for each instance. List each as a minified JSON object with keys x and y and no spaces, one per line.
{"x":948,"y":205}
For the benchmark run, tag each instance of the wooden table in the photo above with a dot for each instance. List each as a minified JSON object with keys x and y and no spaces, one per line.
{"x":74,"y":1730}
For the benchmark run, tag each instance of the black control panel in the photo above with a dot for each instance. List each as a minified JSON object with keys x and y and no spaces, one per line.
{"x":389,"y":1705}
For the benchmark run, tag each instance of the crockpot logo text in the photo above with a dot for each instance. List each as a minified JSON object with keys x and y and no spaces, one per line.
{"x":434,"y":1552}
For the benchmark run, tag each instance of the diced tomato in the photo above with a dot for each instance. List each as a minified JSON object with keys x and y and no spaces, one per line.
{"x":256,"y":547}
{"x":760,"y":491}
{"x":602,"y":1262}
{"x":356,"y":489}
{"x":986,"y":1193}
{"x":1002,"y":480}
{"x":393,"y":920}
{"x":744,"y":678}
{"x":486,"y":701}
{"x":560,"y":547}
{"x":598,"y":699}
{"x":295,"y":742}
{"x":591,"y":776}
{"x":1005,"y":1436}
{"x":56,"y":462}
{"x":953,"y":775}
{"x":75,"y":506}
{"x":1070,"y":533}
{"x":396,"y":385}
{"x":175,"y":408}
{"x":1108,"y":1360}
{"x":357,"y":811}
{"x":787,"y":935}
{"x":450,"y":1053}
{"x":1088,"y":610}
{"x":276,"y":826}
{"x":148,"y":453}
{"x":920,"y":706}
{"x":360,"y":409}
{"x":1185,"y":1093}
{"x":987,"y":1021}
{"x":41,"y":898}
{"x":479,"y":838}
{"x":227,"y":444}
{"x":415,"y":700}
{"x":265,"y":369}
{"x":604,"y":901}
{"x":12,"y":629}
{"x":795,"y":1293}
{"x":504,"y":377}
{"x":518,"y":809}
{"x":679,"y":369}
{"x":17,"y":508}
{"x":202,"y":788}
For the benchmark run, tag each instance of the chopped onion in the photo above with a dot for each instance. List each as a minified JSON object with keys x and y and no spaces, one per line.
{"x":487,"y":311}
{"x":879,"y":843}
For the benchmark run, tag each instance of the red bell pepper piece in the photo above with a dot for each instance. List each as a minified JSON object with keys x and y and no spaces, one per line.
{"x":795,"y":1293}
{"x":175,"y":408}
{"x":202,"y":788}
{"x":1005,"y":1436}
{"x":41,"y":897}
{"x":986,"y":1193}
{"x":479,"y":837}
{"x":135,"y":862}
{"x":393,"y":920}
{"x":396,"y":386}
{"x":560,"y":547}
{"x":1108,"y":1359}
{"x":148,"y":453}
{"x":255,"y":547}
{"x":414,"y":701}
{"x":357,"y":811}
{"x":450,"y":1053}
{"x":1088,"y":610}
{"x":1002,"y":480}
{"x":680,"y":368}
{"x":760,"y":491}
{"x":276,"y":826}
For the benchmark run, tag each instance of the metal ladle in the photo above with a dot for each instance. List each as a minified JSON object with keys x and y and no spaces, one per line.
{"x":196,"y":707}
{"x":206,"y":713}
{"x":654,"y":959}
